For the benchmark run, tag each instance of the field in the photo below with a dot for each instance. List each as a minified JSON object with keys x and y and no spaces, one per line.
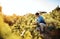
{"x":21,"y":27}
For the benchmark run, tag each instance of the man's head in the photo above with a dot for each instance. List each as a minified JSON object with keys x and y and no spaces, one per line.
{"x":37,"y":14}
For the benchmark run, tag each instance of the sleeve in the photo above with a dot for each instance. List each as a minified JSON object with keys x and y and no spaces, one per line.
{"x":38,"y":20}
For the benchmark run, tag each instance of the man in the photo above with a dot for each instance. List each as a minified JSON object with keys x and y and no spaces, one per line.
{"x":40,"y":22}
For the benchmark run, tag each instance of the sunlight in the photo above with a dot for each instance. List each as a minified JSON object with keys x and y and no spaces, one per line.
{"x":21,"y":7}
